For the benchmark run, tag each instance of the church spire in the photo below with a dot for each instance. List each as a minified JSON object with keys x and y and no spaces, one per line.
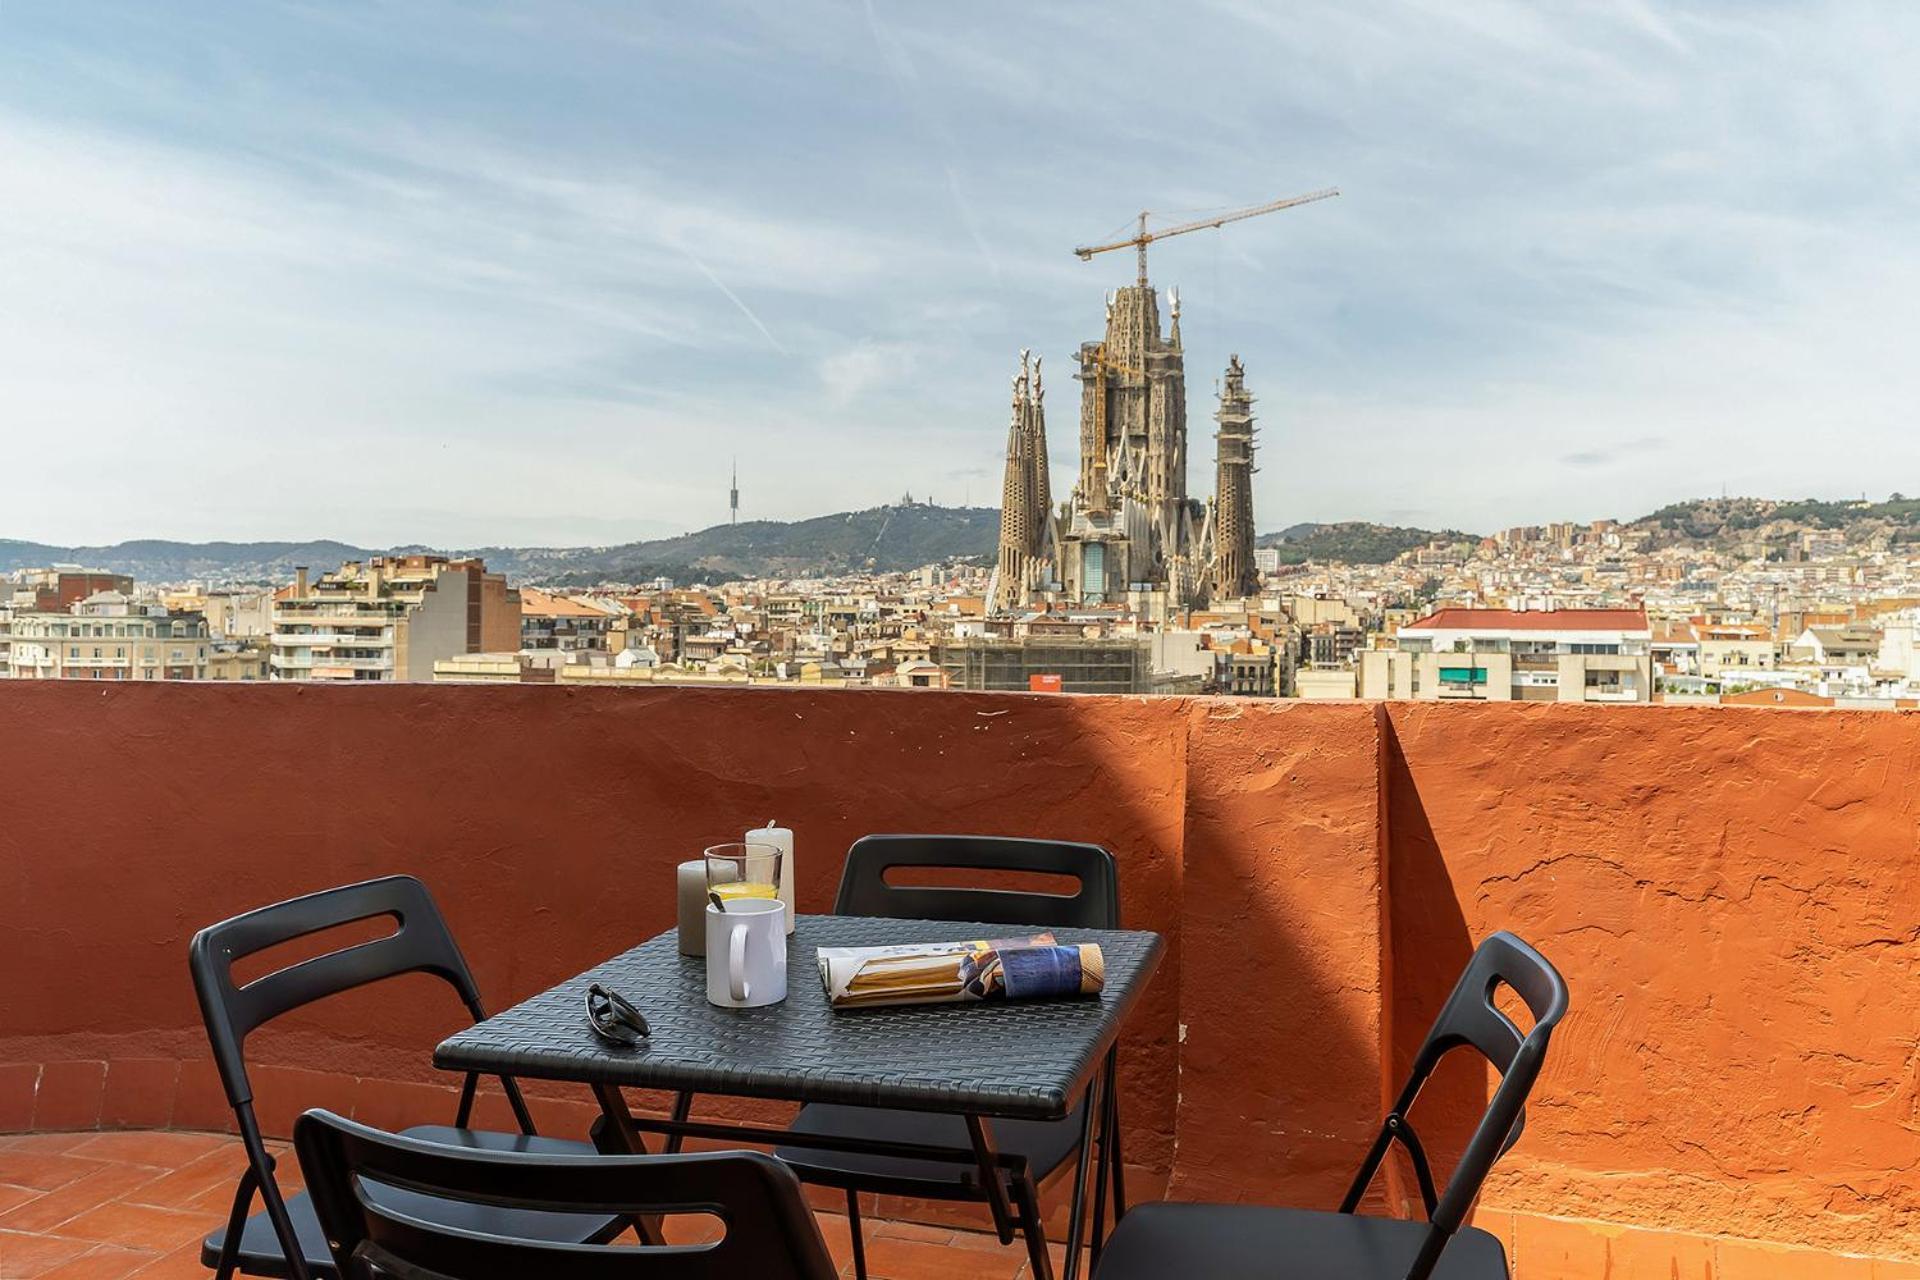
{"x":1234,"y":573}
{"x":1016,"y":500}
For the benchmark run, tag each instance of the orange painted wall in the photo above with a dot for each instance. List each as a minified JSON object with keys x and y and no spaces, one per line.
{"x":1731,"y":895}
{"x":1729,"y":891}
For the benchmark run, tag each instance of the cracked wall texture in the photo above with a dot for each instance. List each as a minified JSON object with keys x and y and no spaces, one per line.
{"x":1731,"y":895}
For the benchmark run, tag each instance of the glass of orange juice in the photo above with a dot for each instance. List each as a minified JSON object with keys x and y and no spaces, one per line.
{"x":743,"y":870}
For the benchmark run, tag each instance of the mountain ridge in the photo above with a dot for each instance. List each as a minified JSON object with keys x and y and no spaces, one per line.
{"x":906,"y":535}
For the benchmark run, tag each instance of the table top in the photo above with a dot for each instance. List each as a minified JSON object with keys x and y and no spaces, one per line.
{"x":1017,"y":1059}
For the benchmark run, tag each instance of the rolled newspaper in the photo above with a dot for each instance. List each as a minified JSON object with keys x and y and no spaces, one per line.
{"x":955,"y":972}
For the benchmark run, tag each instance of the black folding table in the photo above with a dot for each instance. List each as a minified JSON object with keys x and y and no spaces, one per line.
{"x":1031,"y":1060}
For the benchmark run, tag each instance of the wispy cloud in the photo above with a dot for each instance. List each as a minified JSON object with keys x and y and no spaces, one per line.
{"x":739,"y":305}
{"x":899,"y":64}
{"x":564,"y":263}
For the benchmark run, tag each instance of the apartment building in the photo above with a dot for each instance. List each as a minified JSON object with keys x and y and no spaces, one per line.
{"x":58,"y":589}
{"x":549,"y":621}
{"x":390,"y":618}
{"x":1500,"y":655}
{"x":1729,"y":650}
{"x":108,"y":636}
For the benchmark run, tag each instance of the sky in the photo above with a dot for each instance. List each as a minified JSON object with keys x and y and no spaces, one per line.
{"x":472,"y":273}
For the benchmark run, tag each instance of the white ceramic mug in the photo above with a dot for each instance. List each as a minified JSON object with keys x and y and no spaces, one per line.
{"x":747,"y":953}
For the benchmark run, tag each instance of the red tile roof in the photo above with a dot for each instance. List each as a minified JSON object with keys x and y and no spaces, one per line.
{"x":1533,"y":620}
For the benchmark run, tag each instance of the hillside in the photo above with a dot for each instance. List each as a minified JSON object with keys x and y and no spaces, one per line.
{"x":1772,"y":526}
{"x":887,"y":539}
{"x":1353,"y":542}
{"x":884,"y":539}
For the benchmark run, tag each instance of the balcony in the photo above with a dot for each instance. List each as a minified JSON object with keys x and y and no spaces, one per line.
{"x":371,"y":638}
{"x":1734,"y":1094}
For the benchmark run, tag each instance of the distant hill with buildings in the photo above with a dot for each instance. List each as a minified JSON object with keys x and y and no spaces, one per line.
{"x":1759,"y":525}
{"x":901,"y":536}
{"x":158,"y":560}
{"x":907,"y":534}
{"x":1353,"y":542}
{"x":883,"y":539}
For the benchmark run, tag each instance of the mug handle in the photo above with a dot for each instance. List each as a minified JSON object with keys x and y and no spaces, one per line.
{"x":737,"y":963}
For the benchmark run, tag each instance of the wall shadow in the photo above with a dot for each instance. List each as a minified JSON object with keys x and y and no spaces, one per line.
{"x":1431,"y":946}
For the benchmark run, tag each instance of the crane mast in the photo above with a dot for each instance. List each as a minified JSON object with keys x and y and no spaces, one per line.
{"x":1143,"y":237}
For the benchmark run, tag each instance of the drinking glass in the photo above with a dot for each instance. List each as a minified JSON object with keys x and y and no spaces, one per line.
{"x":743,"y":869}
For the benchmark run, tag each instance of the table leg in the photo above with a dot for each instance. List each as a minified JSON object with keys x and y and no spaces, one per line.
{"x":613,"y":1106}
{"x":1077,"y":1217}
{"x":682,"y":1105}
{"x":990,"y":1185}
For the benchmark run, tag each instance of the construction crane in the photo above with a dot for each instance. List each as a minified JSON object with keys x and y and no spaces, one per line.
{"x":1143,"y":237}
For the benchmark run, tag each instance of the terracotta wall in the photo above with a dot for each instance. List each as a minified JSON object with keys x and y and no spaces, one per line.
{"x":1729,"y":891}
{"x":1731,"y":895}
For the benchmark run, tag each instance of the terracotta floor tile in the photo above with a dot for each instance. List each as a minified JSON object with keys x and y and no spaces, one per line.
{"x":217,"y":1172}
{"x":26,"y":1257}
{"x":136,"y":1226}
{"x":181,"y":1264}
{"x":12,"y":1197}
{"x":692,"y":1228}
{"x":102,"y":1262}
{"x":920,"y":1231}
{"x":839,"y":1237}
{"x":894,"y":1259}
{"x":42,"y":1171}
{"x":47,"y":1143}
{"x":104,"y":1185}
{"x":159,"y":1148}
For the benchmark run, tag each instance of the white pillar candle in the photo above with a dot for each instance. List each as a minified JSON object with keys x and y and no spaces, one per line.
{"x":780,"y":838}
{"x":691,"y":887}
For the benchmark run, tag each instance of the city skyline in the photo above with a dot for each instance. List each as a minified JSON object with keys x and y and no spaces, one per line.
{"x":1586,"y":263}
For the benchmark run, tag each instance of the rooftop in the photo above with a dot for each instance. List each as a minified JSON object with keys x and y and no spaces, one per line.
{"x":1531,"y":620}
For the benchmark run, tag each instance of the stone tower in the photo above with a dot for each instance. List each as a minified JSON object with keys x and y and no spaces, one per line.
{"x":1131,"y":526}
{"x":1234,"y":573}
{"x":1025,"y":558}
{"x":1129,"y":535}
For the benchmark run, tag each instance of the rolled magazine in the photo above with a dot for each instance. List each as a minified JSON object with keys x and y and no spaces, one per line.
{"x":1030,"y":968}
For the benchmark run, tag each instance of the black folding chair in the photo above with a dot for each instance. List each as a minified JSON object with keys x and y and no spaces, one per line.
{"x":1047,"y":1145}
{"x":285,"y":1239}
{"x":770,"y":1233}
{"x":1218,"y":1242}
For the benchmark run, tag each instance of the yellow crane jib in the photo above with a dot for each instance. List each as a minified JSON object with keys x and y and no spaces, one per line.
{"x":1143,"y":237}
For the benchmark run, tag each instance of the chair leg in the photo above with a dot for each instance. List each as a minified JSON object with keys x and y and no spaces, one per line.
{"x":236,"y":1223}
{"x":859,"y":1244}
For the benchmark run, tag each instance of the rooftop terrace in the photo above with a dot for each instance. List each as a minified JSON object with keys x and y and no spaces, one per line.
{"x":1729,"y":892}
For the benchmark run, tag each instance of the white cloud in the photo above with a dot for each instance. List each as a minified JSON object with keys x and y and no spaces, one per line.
{"x":448,"y":272}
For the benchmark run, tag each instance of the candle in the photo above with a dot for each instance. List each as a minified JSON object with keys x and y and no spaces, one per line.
{"x":691,"y":886}
{"x":780,"y":838}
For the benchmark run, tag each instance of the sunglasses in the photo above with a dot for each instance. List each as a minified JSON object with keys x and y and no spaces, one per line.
{"x":613,"y":1018}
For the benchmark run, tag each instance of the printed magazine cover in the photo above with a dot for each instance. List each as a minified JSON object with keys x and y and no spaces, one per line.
{"x":1029,"y":968}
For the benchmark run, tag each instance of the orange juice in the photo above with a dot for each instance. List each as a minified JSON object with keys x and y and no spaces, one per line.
{"x":744,"y":889}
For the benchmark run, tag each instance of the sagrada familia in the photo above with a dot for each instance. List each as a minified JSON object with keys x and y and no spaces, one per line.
{"x":1129,"y":534}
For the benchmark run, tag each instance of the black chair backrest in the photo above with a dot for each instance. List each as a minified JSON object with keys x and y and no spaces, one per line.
{"x":420,"y":943}
{"x":864,"y":890}
{"x":1470,"y":1019}
{"x":770,"y":1232}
